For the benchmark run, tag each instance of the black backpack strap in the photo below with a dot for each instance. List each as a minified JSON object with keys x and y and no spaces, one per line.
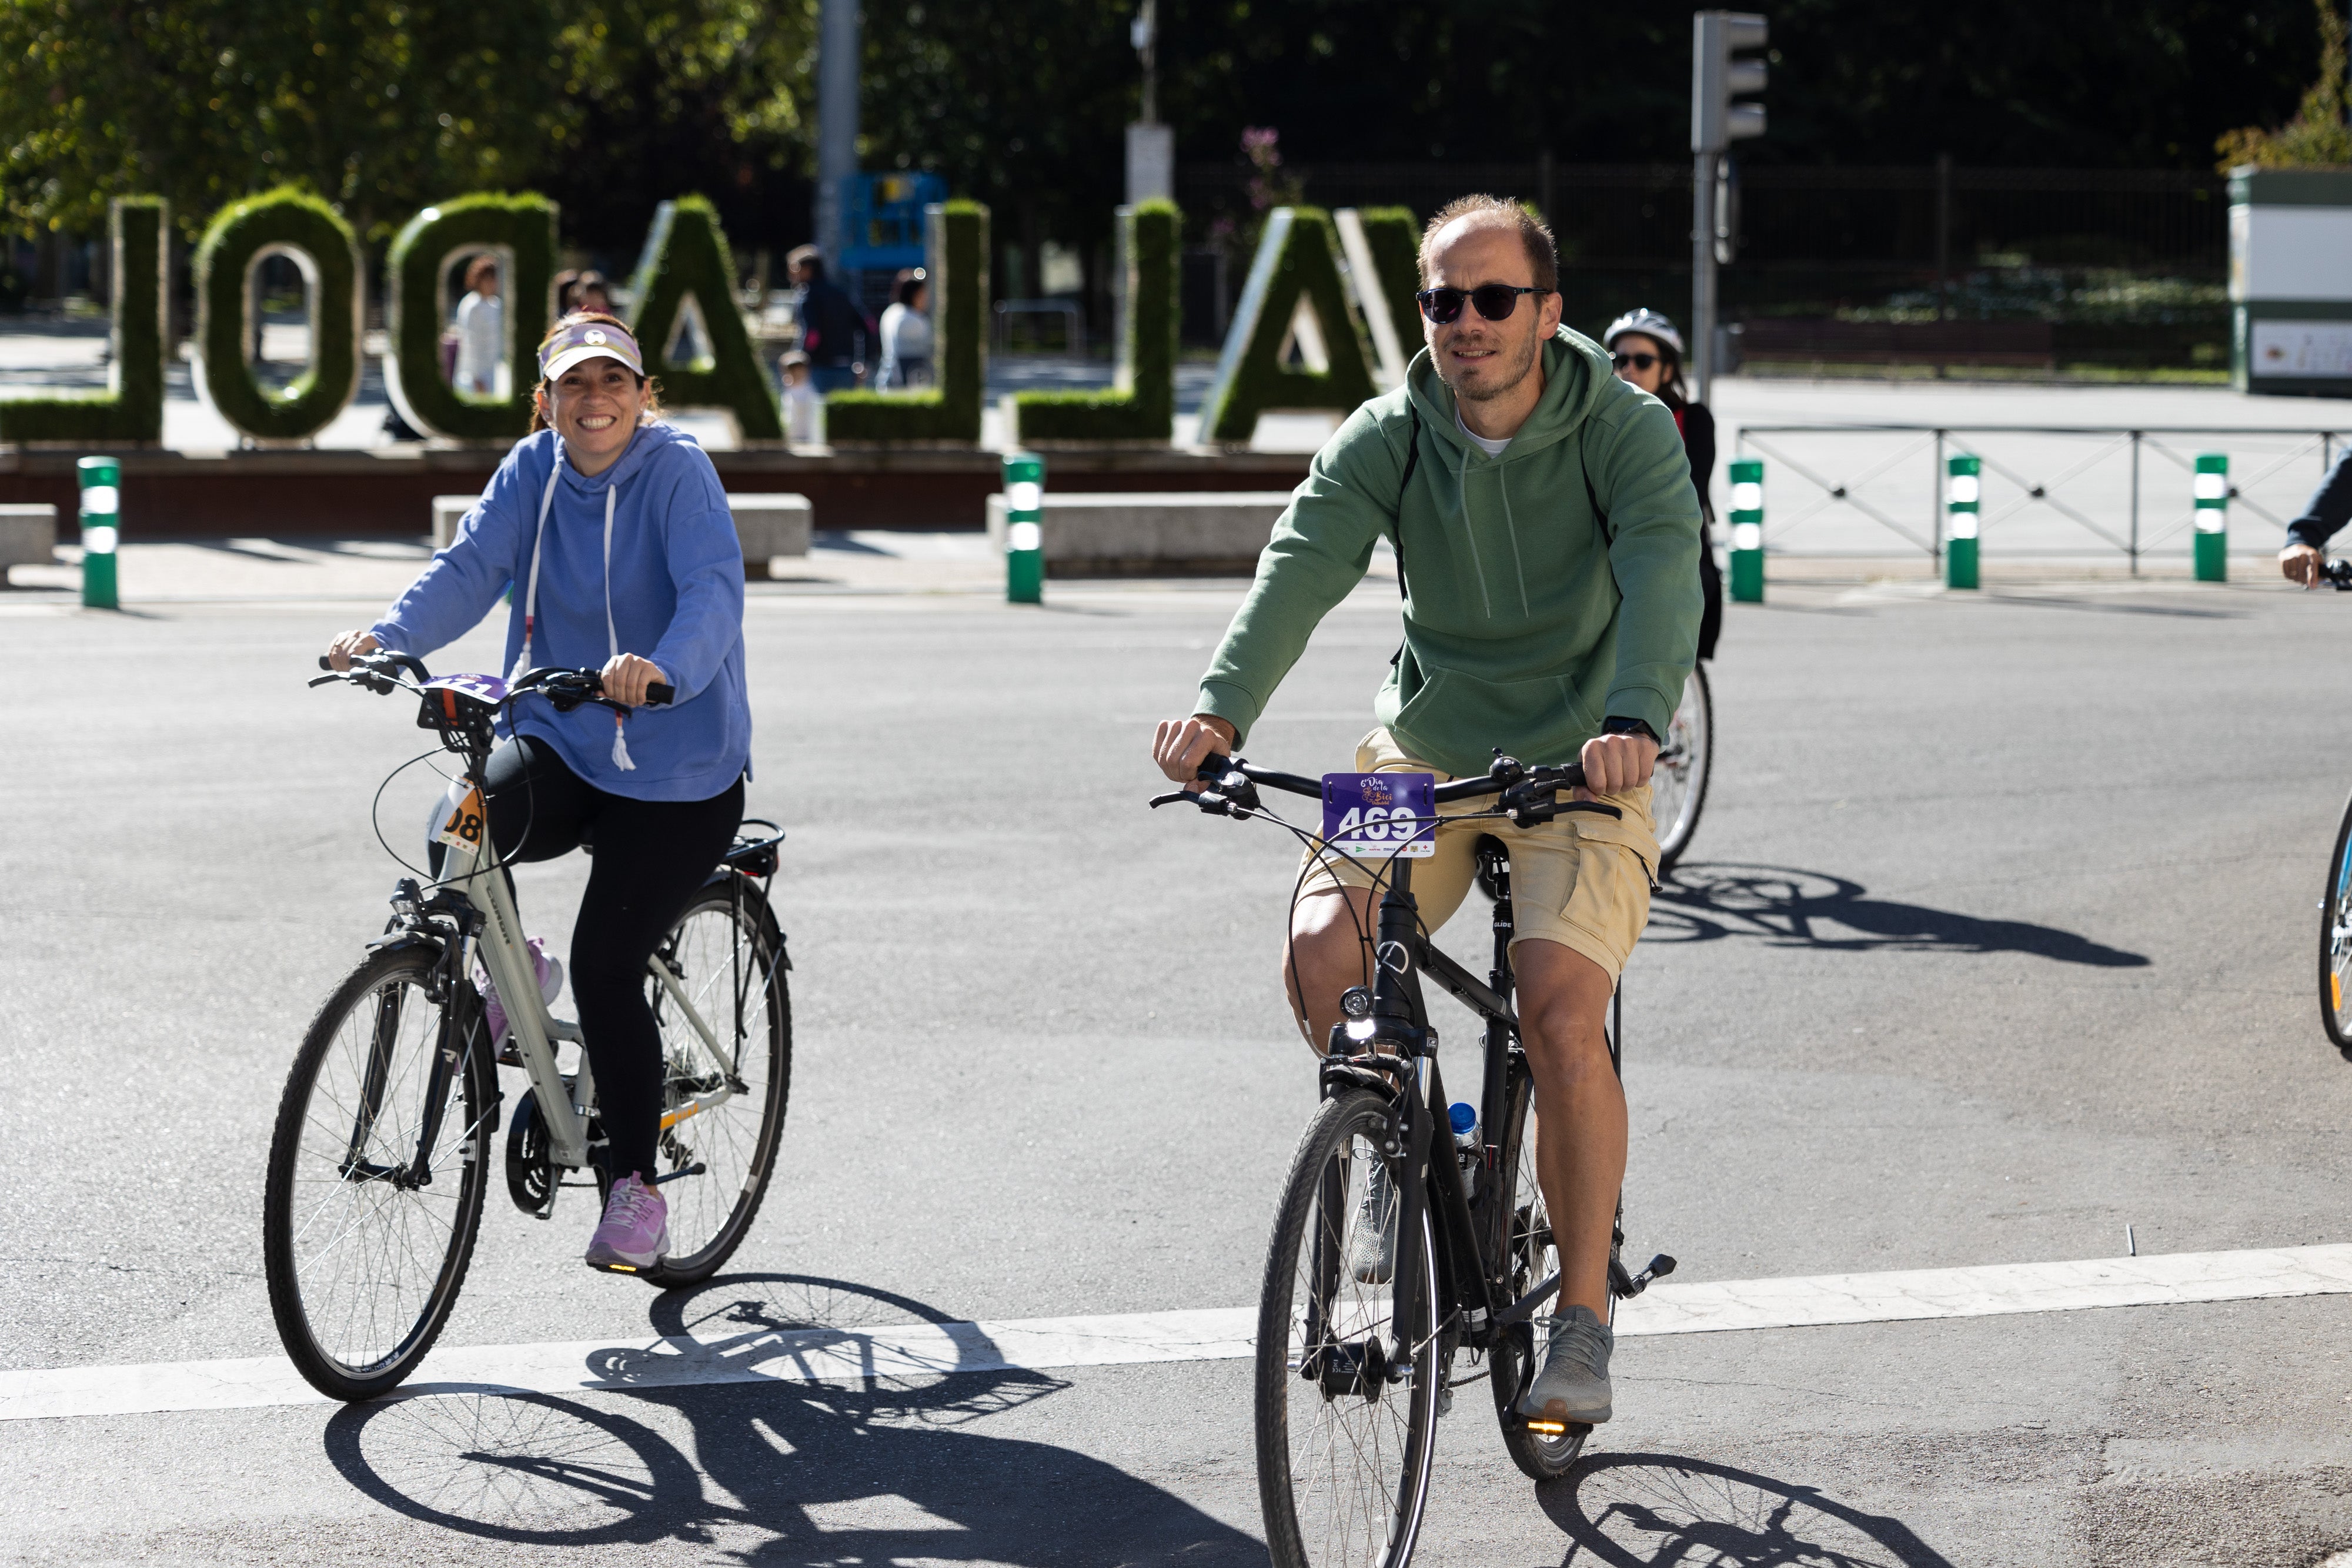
{"x":1584,"y":467}
{"x":1411,"y":461}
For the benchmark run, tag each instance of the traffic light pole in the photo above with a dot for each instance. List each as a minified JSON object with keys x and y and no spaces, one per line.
{"x":1702,"y":299}
{"x":1718,"y":77}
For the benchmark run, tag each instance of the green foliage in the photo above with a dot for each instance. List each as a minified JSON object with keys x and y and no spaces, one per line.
{"x":2317,"y":136}
{"x":132,"y":409}
{"x":1295,"y":258}
{"x":524,"y":225}
{"x":1395,"y":241}
{"x":686,"y":257}
{"x":1143,"y":407}
{"x":239,"y":233}
{"x":958,"y":234}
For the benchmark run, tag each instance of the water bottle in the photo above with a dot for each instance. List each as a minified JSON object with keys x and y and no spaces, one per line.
{"x":1465,"y":1118}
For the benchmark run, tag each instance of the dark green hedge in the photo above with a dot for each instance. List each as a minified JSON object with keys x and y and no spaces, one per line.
{"x":131,"y":408}
{"x":1142,"y":406}
{"x":302,"y":222}
{"x":958,"y":243}
{"x":686,"y":255}
{"x":1295,"y":256}
{"x":522,"y":224}
{"x":1395,"y":241}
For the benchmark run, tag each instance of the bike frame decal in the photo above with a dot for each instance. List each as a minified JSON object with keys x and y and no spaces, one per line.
{"x":1378,"y":815}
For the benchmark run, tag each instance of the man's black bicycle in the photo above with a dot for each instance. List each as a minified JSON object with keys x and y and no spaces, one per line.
{"x":2336,"y":899}
{"x":1372,"y":1294}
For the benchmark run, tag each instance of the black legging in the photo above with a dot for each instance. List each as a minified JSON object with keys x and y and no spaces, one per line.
{"x":649,"y":857}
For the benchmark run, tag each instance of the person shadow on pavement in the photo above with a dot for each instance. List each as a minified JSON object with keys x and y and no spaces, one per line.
{"x":772,"y":1469}
{"x":1651,"y":1510}
{"x":1788,"y":907}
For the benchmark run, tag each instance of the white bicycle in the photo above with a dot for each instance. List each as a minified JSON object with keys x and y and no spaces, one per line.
{"x":1678,"y":787}
{"x":381,"y":1158}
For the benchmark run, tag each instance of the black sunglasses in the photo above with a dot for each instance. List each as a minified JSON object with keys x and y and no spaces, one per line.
{"x":1639,"y":362}
{"x":1496,"y":301}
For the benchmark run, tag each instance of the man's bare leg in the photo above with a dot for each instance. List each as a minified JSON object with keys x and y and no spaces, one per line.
{"x":1327,"y":953}
{"x":1580,"y":1156}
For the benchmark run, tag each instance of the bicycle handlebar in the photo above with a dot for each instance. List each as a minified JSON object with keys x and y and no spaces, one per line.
{"x":2337,"y":572}
{"x":563,"y":686}
{"x":1527,"y":793}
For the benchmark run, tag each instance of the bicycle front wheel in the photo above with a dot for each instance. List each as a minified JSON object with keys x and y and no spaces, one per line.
{"x":1347,"y":1366}
{"x":1678,"y":787}
{"x":1529,"y":1258}
{"x":376,"y":1174}
{"x":2336,"y":939}
{"x":726,"y":1069}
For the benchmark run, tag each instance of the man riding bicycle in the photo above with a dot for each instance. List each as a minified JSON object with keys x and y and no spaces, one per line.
{"x":1548,"y":536}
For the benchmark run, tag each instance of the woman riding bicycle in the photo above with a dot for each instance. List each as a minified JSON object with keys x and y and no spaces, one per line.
{"x":612,"y":532}
{"x":1647,"y":351}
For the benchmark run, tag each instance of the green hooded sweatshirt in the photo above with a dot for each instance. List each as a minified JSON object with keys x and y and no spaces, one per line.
{"x":1524,"y":626}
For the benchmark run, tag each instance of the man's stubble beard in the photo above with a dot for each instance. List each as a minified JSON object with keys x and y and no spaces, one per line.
{"x":1521,"y":367}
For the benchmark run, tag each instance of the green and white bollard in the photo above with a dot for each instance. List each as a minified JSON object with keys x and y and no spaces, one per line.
{"x":1747,"y":530}
{"x":1963,"y":499}
{"x":2212,"y":516}
{"x":101,"y":530}
{"x":1025,"y":537}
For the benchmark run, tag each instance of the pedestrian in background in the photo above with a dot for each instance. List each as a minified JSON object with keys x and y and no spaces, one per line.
{"x":907,"y":334}
{"x":481,"y":329}
{"x":803,"y":408}
{"x":1647,"y":351}
{"x":591,"y":295}
{"x":835,"y":334}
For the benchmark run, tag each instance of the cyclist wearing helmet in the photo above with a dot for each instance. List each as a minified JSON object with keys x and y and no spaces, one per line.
{"x":1648,"y":352}
{"x":612,"y":532}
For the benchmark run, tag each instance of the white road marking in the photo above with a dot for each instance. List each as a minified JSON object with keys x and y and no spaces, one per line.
{"x":1038,"y":1344}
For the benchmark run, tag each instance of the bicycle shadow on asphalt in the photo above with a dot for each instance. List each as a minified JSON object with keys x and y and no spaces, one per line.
{"x":1788,"y":907}
{"x":850,"y":1470}
{"x":1635,"y":1511}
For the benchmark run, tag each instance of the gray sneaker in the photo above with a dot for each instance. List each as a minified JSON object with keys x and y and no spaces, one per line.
{"x":1574,"y":1382}
{"x":1371,"y":1250}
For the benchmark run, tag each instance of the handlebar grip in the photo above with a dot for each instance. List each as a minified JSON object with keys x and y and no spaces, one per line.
{"x":1213,"y":767}
{"x":658,"y":694}
{"x":324,"y":663}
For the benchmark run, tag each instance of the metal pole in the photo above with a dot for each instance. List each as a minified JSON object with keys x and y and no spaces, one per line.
{"x":836,"y":120}
{"x":1702,"y":339}
{"x":2135,"y":504}
{"x":1936,"y":508}
{"x":1943,"y":228}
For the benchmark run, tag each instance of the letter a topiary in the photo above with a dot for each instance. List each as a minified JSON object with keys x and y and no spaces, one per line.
{"x":523,"y":226}
{"x":1142,"y":406}
{"x":686,"y":259}
{"x":131,"y":408}
{"x":956,"y":236}
{"x":1394,"y":240}
{"x":282,"y":221}
{"x":1294,"y":261}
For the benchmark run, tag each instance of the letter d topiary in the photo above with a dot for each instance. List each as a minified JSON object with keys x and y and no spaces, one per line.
{"x":1143,"y":407}
{"x":131,"y":408}
{"x":956,"y":236}
{"x":685,"y":260}
{"x":524,"y":227}
{"x":286,"y":221}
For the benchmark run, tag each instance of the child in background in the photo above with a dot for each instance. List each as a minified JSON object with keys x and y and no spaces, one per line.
{"x":804,"y":409}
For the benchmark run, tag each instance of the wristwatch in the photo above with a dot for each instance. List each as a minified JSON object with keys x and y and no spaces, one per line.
{"x":1621,"y":725}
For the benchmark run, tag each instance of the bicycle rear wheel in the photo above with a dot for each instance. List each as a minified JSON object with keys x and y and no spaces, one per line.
{"x":2336,"y":939}
{"x":377,"y":1168}
{"x":1347,"y":1371}
{"x":1530,"y":1259}
{"x":1678,"y":787}
{"x":733,"y":975}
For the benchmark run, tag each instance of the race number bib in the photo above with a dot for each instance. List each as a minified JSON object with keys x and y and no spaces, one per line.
{"x":462,"y":820}
{"x":1376,"y":815}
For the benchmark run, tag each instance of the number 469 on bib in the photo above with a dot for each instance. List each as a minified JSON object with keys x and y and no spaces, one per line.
{"x":1376,"y":815}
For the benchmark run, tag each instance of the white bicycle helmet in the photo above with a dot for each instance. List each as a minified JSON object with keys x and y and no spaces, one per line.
{"x":1647,"y":322}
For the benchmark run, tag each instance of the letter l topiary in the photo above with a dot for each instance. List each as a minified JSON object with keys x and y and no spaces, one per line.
{"x":131,"y":408}
{"x":291,"y":222}
{"x":1141,"y":408}
{"x":956,"y":236}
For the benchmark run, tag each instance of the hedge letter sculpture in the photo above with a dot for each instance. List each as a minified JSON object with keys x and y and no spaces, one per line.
{"x":1294,"y":266}
{"x":280,"y":222}
{"x":131,"y":410}
{"x":521,"y":230}
{"x":685,"y":274}
{"x":1141,"y":409}
{"x":956,"y":239}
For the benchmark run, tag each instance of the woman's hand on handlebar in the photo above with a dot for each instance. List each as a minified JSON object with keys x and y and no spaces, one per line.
{"x":1181,"y":745}
{"x":2302,"y":564}
{"x":626,"y":677}
{"x":340,"y":650}
{"x":1616,"y":763}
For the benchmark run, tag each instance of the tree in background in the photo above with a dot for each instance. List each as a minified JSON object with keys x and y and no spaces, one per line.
{"x":2317,"y":134}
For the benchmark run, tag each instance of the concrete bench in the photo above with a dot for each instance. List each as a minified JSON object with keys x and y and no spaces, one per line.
{"x":768,"y":526}
{"x":1151,"y":533}
{"x":28,"y":536}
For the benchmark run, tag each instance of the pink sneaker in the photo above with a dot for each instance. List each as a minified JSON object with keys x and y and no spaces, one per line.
{"x":635,"y":1235}
{"x":550,"y":981}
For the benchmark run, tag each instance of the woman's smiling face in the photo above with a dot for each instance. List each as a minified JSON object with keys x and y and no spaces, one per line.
{"x":595,"y":406}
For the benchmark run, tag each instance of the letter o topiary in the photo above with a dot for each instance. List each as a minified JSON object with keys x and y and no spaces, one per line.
{"x":1141,"y":409}
{"x":240,"y":237}
{"x":131,"y":408}
{"x":524,"y":227}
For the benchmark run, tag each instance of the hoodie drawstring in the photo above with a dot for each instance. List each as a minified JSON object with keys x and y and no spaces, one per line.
{"x":530,"y":603}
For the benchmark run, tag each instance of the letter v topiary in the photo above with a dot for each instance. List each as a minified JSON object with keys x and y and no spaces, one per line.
{"x":686,"y":257}
{"x":1141,"y":407}
{"x":524,"y":227}
{"x":1296,"y":260}
{"x":130,"y":411}
{"x":284,"y":220}
{"x":956,"y":237}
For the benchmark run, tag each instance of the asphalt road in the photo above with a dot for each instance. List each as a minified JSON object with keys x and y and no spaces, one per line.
{"x":1996,"y":940}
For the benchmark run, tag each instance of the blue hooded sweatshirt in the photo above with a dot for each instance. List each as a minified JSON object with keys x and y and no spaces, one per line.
{"x":677,"y":599}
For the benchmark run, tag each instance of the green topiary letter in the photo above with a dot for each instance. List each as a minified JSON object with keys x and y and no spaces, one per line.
{"x":1141,"y":408}
{"x":1384,"y":263}
{"x":131,"y":408}
{"x":294,"y":222}
{"x":956,"y":237}
{"x":521,"y":226}
{"x":686,"y":272}
{"x":1294,"y":266}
